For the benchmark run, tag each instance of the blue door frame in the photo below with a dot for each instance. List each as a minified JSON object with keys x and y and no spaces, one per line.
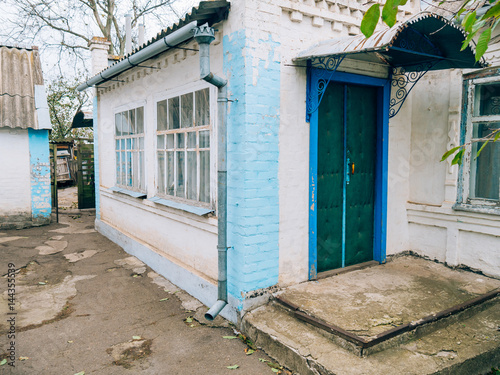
{"x":316,"y":81}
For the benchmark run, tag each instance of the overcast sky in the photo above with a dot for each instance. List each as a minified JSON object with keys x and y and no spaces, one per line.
{"x":50,"y":59}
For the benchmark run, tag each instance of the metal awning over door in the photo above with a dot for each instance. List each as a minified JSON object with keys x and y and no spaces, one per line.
{"x":425,"y":42}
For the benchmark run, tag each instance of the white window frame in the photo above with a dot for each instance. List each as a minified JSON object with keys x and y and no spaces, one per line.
{"x":120,"y":109}
{"x":186,"y":89}
{"x":490,"y":205}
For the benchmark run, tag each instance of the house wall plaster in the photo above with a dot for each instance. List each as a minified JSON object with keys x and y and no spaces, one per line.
{"x":41,"y":203}
{"x":436,"y":230}
{"x":185,"y":238}
{"x":15,"y":184}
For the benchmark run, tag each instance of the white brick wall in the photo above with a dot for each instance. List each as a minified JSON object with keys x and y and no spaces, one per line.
{"x":15,"y":191}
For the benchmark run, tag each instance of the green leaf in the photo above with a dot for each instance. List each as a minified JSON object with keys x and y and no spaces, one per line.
{"x":402,"y":2}
{"x":458,"y":158}
{"x":481,"y":149}
{"x":229,"y":337}
{"x":449,"y":152}
{"x":493,"y":12}
{"x":469,"y":21}
{"x":370,"y":19}
{"x":275,"y":370}
{"x":189,"y":319}
{"x":234,"y":367}
{"x":263,"y":360}
{"x":389,"y":13}
{"x":42,"y":283}
{"x":164,"y":299}
{"x":482,"y":43}
{"x":4,"y":361}
{"x":80,"y":373}
{"x":496,"y":136}
{"x":136,"y":337}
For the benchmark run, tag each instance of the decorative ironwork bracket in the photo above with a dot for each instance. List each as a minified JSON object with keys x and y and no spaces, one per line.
{"x":327,"y":67}
{"x":403,"y":82}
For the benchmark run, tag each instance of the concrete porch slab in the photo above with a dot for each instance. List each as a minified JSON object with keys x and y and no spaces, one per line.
{"x":366,"y":303}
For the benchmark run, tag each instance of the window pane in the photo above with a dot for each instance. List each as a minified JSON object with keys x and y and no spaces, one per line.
{"x":118,"y":174}
{"x":118,"y":124}
{"x":140,"y":120}
{"x":205,"y":139}
{"x":141,"y":143}
{"x":202,"y":108}
{"x":161,"y":115}
{"x":205,"y":176}
{"x":161,"y":172}
{"x":170,"y":173}
{"x":191,"y":139}
{"x":180,"y":140}
{"x":180,"y":174}
{"x":129,"y":143}
{"x":142,"y":183}
{"x":123,"y":144}
{"x":125,"y":123}
{"x":134,"y":143}
{"x":187,"y":110}
{"x":122,"y":169}
{"x":129,"y":169}
{"x":173,"y":113}
{"x":485,"y":173}
{"x":131,"y":117}
{"x":170,"y":141}
{"x":488,"y":100}
{"x":161,"y":142}
{"x":135,"y":169}
{"x":117,"y":144}
{"x":191,"y":175}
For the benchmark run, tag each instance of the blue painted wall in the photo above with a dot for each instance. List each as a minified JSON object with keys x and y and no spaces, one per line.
{"x":253,"y":152}
{"x":41,"y":200}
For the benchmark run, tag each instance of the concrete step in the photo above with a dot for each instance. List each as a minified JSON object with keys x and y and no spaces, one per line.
{"x":468,"y":346}
{"x":364,"y":346}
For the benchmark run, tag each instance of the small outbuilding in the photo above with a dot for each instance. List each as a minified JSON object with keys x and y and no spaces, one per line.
{"x":25,"y":198}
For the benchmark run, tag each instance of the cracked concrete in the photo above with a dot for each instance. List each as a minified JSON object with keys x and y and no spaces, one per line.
{"x":78,"y":310}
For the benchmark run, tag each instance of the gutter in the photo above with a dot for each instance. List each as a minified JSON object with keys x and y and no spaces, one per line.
{"x":162,"y":45}
{"x":204,"y":35}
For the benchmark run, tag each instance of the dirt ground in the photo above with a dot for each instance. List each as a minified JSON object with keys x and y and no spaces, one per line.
{"x":72,"y":302}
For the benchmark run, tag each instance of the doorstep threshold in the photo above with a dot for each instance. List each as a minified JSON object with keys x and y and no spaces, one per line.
{"x":363,"y":346}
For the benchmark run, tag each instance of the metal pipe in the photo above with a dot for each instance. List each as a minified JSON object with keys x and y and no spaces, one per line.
{"x":162,"y":45}
{"x":128,"y":34}
{"x":204,"y":35}
{"x":141,"y":37}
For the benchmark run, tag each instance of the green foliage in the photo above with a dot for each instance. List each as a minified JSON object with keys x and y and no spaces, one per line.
{"x":471,"y":21}
{"x":64,"y":101}
{"x":370,"y":20}
{"x":389,"y":12}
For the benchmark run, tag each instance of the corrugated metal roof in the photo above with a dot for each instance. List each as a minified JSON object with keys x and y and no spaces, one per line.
{"x":210,"y":12}
{"x":23,"y":103}
{"x":435,"y":36}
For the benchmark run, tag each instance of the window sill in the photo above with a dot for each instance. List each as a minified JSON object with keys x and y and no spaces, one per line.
{"x":200,"y":211}
{"x":130,"y":193}
{"x":490,"y":210}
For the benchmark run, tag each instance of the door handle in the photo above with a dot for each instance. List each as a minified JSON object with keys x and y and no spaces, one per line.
{"x":352,"y":169}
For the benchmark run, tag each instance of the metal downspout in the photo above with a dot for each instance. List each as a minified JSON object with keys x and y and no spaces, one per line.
{"x":204,"y":35}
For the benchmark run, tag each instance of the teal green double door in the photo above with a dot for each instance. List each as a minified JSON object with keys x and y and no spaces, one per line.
{"x":346,"y":175}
